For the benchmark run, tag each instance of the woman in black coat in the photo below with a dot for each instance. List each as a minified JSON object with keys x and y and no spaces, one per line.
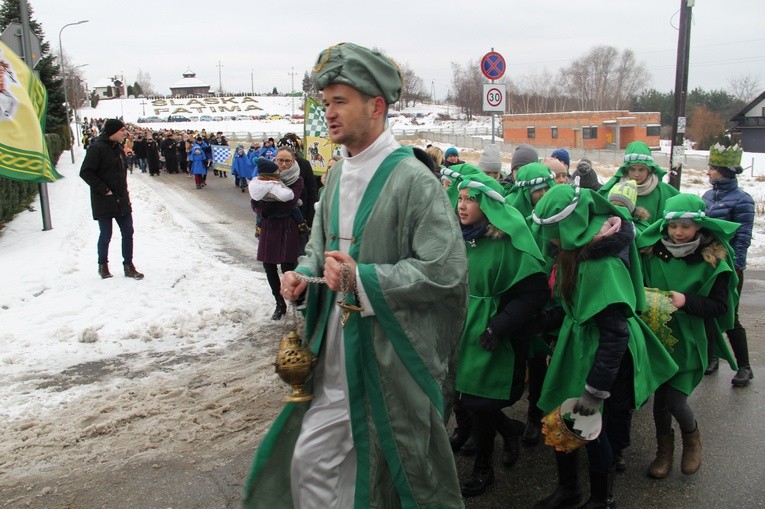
{"x":152,"y":156}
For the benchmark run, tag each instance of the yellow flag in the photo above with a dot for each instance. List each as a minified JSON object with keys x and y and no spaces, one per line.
{"x":318,"y":147}
{"x":23,"y":103}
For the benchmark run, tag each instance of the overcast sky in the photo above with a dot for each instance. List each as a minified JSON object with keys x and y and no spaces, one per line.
{"x":267,"y":41}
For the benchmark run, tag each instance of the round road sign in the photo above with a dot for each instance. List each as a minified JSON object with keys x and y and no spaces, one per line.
{"x":493,"y":65}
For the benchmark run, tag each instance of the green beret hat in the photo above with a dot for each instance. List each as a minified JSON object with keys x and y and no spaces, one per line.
{"x":368,"y":71}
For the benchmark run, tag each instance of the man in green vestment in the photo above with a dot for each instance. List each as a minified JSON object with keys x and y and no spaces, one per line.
{"x":386,"y":243}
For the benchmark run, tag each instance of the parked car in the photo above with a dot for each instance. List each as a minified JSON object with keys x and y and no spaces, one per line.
{"x":275,"y":117}
{"x":149,"y":120}
{"x":178,"y":118}
{"x":194,"y":118}
{"x":218,"y":118}
{"x":206,"y":118}
{"x":242,"y":117}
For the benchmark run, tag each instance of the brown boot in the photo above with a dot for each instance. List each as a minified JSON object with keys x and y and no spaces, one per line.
{"x":662,"y":465}
{"x":691,"y":460}
{"x":130,"y":271}
{"x":103,"y":270}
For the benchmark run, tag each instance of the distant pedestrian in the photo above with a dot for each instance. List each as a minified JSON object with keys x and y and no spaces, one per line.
{"x":104,"y":171}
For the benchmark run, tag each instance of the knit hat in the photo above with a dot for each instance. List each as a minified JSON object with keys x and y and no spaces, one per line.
{"x":111,"y":126}
{"x":366,"y":70}
{"x":491,"y":159}
{"x":587,"y":176}
{"x":524,"y":154}
{"x":451,"y":151}
{"x":561,"y":155}
{"x":624,"y":193}
{"x":266,"y":167}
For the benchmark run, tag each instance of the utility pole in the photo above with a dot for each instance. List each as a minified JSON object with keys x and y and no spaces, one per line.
{"x":220,"y":78}
{"x":677,"y":149}
{"x":292,"y":90}
{"x":252,"y":81}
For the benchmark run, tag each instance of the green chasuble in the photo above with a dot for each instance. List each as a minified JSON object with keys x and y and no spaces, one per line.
{"x":494,"y":266}
{"x":399,"y":362}
{"x":690,"y":351}
{"x":600,"y":283}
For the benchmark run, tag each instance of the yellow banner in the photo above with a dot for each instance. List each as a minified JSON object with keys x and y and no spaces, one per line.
{"x":317,"y":146}
{"x":23,"y":103}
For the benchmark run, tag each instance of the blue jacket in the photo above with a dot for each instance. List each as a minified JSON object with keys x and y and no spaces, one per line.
{"x":197,"y":158}
{"x":241,"y":166}
{"x":267,"y":152}
{"x":726,"y":201}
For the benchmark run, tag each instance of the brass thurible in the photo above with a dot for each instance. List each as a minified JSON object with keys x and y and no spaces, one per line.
{"x":294,"y":364}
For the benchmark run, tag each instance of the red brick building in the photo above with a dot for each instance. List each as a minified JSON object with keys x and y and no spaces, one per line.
{"x":582,"y":129}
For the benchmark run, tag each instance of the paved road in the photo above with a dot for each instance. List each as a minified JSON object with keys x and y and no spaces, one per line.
{"x":730,"y":420}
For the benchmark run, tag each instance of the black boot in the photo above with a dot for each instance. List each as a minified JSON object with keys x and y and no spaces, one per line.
{"x":532,"y":434}
{"x":714,"y":364}
{"x":481,"y":478}
{"x":281,"y":309}
{"x":737,"y":338}
{"x":567,"y":494}
{"x":601,"y":491}
{"x":103,"y":271}
{"x":510,"y":430}
{"x":620,"y":464}
{"x":462,"y":430}
{"x":130,"y":271}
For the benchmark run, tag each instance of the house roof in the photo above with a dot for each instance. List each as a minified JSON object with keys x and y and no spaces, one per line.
{"x":189,"y":80}
{"x":103,"y":83}
{"x":741,"y":114}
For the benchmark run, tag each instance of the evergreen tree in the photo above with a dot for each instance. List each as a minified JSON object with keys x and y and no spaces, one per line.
{"x":49,"y":69}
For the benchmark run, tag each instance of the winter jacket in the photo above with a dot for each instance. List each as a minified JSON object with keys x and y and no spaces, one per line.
{"x":310,"y":189}
{"x":104,"y":170}
{"x":197,"y":159}
{"x":241,"y":166}
{"x":279,"y":236}
{"x":727,"y":201}
{"x":139,"y":148}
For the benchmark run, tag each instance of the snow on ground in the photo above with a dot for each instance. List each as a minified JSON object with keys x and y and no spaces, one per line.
{"x":110,"y":368}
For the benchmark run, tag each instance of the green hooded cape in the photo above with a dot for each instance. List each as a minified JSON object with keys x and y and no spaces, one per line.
{"x":529,"y":178}
{"x":568,"y":214}
{"x":638,"y":152}
{"x":399,"y":362}
{"x":494,"y":266}
{"x":690,"y":353}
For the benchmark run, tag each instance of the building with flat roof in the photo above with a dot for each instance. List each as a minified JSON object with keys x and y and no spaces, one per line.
{"x":583,"y":129}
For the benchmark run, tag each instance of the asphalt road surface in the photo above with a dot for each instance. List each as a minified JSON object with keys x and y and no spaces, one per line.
{"x":731,"y":423}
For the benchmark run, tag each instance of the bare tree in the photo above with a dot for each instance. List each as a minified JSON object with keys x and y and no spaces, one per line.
{"x":144,"y":81}
{"x":604,"y":78}
{"x":467,"y":84}
{"x":744,"y":87}
{"x":412,"y":87}
{"x":72,"y":74}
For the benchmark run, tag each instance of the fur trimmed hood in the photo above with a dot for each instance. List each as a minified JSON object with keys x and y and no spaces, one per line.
{"x":641,"y":214}
{"x":714,"y":252}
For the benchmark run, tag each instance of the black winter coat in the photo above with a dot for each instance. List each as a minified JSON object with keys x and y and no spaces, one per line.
{"x":104,"y":170}
{"x":310,"y":194}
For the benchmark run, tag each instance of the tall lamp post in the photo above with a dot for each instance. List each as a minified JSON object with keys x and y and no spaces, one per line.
{"x":66,"y":102}
{"x":76,"y":95}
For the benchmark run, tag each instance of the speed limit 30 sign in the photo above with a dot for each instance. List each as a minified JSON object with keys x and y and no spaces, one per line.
{"x":494,"y":97}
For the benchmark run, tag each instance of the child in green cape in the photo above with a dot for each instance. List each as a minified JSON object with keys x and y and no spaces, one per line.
{"x":601,"y":355}
{"x":639,"y":166}
{"x":507,"y":288}
{"x":687,"y":254}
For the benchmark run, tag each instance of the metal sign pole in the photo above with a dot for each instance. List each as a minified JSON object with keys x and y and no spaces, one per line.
{"x":27,"y":46}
